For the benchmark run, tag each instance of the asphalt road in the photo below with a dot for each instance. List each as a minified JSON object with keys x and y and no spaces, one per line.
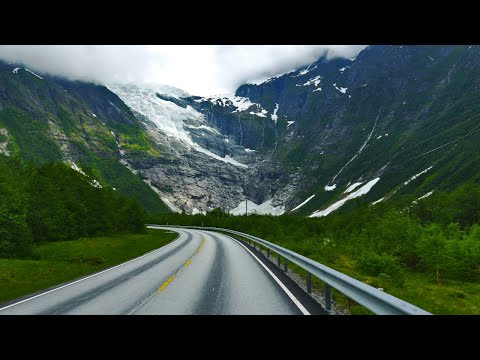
{"x":201,"y":272}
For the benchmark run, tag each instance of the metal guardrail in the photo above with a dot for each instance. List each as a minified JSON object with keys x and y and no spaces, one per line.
{"x":373,"y":299}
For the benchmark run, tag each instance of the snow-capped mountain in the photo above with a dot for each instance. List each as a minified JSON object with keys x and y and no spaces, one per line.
{"x":210,"y":168}
{"x":378,"y":121}
{"x":395,"y":120}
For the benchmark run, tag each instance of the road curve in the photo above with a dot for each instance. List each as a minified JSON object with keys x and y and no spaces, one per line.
{"x":201,"y":272}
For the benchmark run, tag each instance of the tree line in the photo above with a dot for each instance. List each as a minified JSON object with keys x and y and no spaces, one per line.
{"x":438,"y":236}
{"x":53,"y":202}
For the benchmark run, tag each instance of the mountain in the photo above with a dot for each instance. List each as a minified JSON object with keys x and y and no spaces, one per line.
{"x":202,"y":166}
{"x":395,"y":120}
{"x":49,"y":119}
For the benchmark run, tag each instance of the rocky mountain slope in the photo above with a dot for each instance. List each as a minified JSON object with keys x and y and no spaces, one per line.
{"x":395,"y":120}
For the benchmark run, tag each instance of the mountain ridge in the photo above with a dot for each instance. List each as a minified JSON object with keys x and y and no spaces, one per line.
{"x":391,"y":113}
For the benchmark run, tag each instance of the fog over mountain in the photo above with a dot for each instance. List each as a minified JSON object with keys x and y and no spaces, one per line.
{"x":199,"y":69}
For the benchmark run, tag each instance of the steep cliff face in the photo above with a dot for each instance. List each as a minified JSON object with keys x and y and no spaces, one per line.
{"x":206,"y":162}
{"x":395,"y":120}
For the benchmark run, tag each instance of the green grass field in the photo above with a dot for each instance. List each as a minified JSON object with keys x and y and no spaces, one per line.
{"x":58,"y":262}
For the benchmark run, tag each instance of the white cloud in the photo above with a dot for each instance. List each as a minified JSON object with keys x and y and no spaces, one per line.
{"x":198,"y":69}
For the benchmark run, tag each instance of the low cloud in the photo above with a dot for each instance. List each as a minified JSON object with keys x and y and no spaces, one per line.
{"x":198,"y":69}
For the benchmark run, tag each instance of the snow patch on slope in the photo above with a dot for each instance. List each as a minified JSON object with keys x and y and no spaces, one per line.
{"x":240,"y":103}
{"x":426,"y":195}
{"x":330,"y":188}
{"x":261,"y":113}
{"x":341,"y":89}
{"x":31,"y":72}
{"x":417,"y":175}
{"x":274,"y":115}
{"x":313,"y":81}
{"x":75,"y":167}
{"x":379,"y":200}
{"x":263,"y":209}
{"x":353,"y":187}
{"x":303,"y":203}
{"x":360,"y":192}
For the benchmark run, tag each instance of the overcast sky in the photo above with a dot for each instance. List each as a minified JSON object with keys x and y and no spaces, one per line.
{"x":198,"y":69}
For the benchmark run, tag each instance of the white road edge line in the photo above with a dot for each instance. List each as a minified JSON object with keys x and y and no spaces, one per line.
{"x":144,"y":301}
{"x":88,"y":277}
{"x":290,"y":295}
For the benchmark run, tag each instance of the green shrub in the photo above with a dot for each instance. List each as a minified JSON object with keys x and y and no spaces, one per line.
{"x":385,"y":267}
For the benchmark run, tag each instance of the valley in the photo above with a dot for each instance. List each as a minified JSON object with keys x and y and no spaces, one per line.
{"x":368,"y":164}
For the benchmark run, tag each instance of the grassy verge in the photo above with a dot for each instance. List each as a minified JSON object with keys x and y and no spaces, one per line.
{"x":58,"y":262}
{"x":449,"y":297}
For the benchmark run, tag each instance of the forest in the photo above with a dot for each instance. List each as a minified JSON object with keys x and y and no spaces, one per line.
{"x":52,"y":202}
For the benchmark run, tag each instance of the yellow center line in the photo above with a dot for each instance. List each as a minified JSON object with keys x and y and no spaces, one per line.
{"x":165,"y":284}
{"x":200,"y":247}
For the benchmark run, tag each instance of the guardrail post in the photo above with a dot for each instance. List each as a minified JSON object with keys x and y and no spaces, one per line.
{"x":268,"y":252}
{"x":309,"y":283}
{"x":285,"y":268}
{"x":328,"y":298}
{"x":278,"y":260}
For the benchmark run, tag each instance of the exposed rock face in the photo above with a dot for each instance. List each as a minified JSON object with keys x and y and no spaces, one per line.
{"x":193,"y":180}
{"x":200,"y":166}
{"x":380,"y":120}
